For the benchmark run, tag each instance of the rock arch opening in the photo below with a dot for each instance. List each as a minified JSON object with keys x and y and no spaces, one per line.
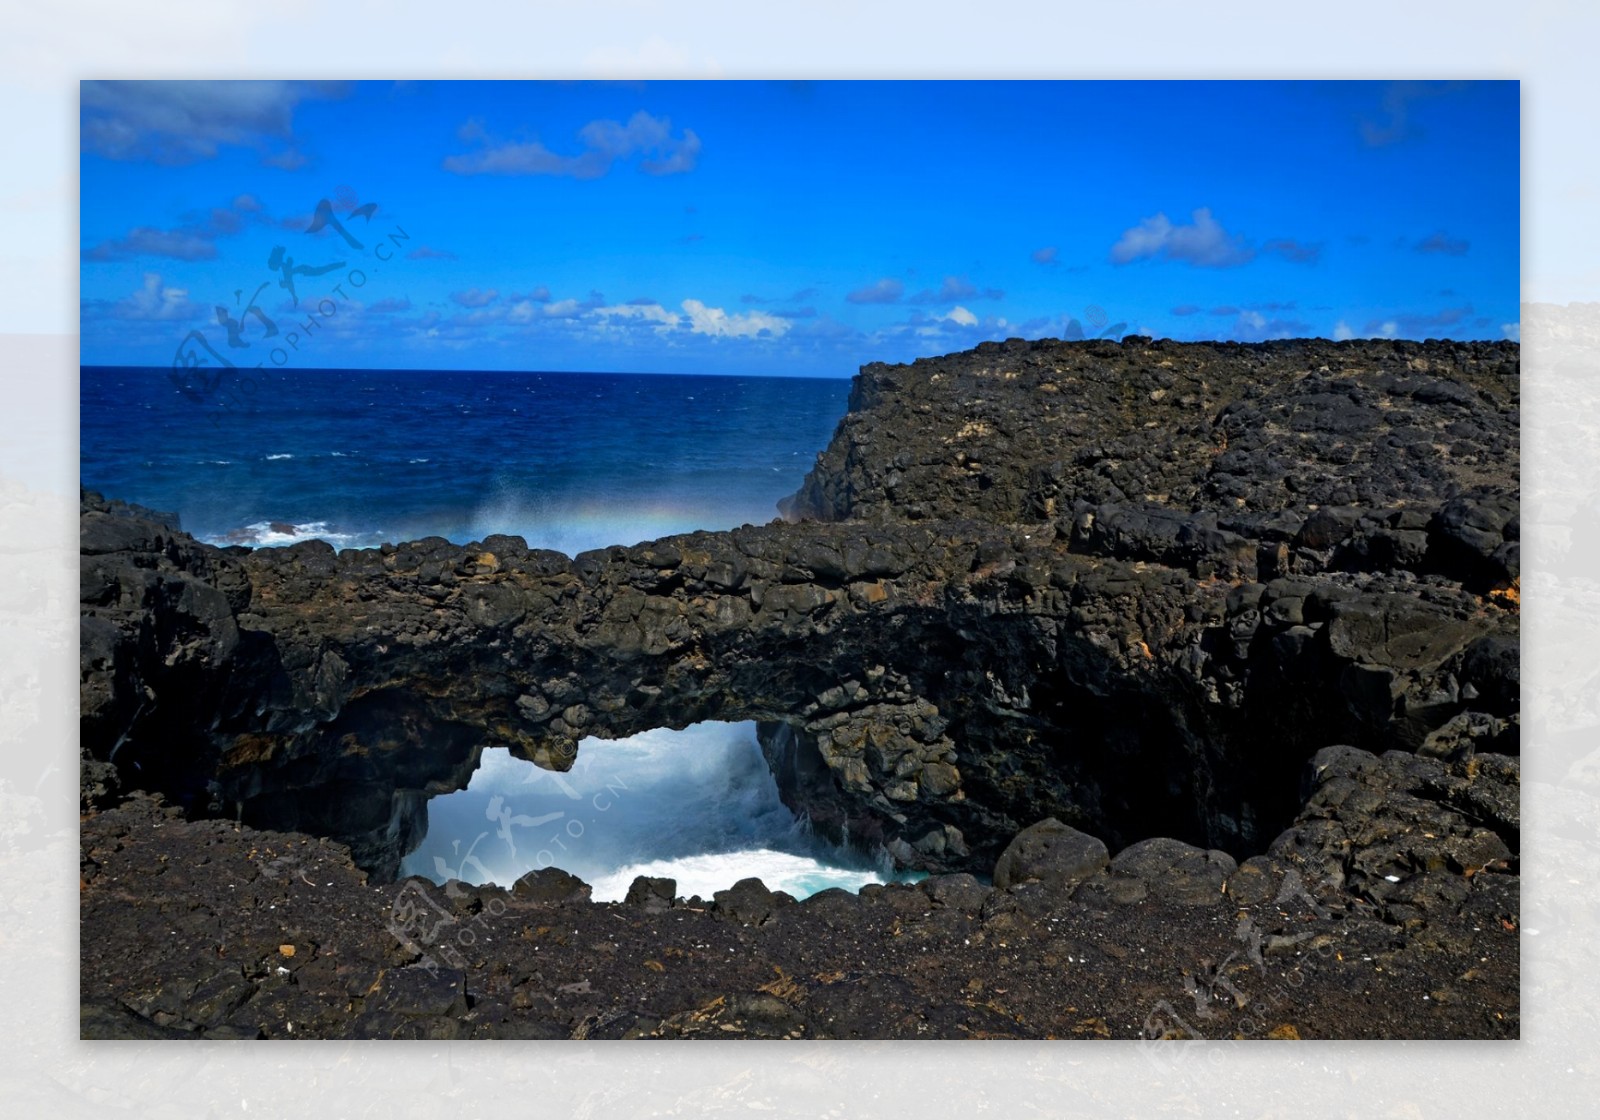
{"x":698,"y":805}
{"x":1140,"y":645}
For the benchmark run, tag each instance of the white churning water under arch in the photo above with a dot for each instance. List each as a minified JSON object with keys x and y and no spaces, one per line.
{"x":697,"y":805}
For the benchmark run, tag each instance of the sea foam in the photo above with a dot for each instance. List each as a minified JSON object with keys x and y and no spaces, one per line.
{"x":698,"y":806}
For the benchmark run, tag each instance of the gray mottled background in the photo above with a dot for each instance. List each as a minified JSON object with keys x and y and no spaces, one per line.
{"x":44,"y":50}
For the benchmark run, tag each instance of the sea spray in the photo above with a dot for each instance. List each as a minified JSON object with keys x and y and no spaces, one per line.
{"x":362,"y":457}
{"x":697,"y":805}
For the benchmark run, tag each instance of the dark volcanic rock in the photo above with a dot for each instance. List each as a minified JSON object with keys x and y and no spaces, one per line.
{"x":1405,"y":832}
{"x":1166,"y":869}
{"x":750,"y":901}
{"x":1023,"y":434}
{"x":1135,"y":588}
{"x":416,"y":992}
{"x":551,"y":886}
{"x":652,"y":894}
{"x":1060,"y":580}
{"x":1051,"y":853}
{"x":959,"y":891}
{"x":272,"y":935}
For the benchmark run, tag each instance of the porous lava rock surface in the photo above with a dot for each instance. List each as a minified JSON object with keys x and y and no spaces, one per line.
{"x":1244,"y":615}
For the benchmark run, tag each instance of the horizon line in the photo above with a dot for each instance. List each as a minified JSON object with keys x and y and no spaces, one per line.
{"x":1148,"y":339}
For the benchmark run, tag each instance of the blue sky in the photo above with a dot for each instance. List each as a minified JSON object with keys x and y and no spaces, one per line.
{"x":782,"y":228}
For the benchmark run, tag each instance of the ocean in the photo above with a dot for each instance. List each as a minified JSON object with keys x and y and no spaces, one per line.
{"x":360,"y":457}
{"x":697,"y":805}
{"x":569,"y":462}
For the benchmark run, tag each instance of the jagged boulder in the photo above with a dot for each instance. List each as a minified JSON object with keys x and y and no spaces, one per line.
{"x":749,"y":901}
{"x":1168,"y":870}
{"x":1050,"y":853}
{"x":550,"y":886}
{"x":651,"y":894}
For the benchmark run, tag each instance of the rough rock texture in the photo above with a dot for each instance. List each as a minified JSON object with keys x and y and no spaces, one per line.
{"x":208,"y":929}
{"x":1134,"y":587}
{"x":1049,"y":852}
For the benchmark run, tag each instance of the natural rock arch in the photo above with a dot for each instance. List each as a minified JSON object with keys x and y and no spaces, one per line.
{"x":988,"y":625}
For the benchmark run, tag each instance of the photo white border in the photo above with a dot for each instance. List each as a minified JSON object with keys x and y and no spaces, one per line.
{"x":47,"y":49}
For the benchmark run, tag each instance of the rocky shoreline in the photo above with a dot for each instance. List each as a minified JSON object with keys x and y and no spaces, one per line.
{"x":1244,"y":615}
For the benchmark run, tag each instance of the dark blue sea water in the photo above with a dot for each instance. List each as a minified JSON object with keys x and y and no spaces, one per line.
{"x":357,"y":457}
{"x":568,"y":461}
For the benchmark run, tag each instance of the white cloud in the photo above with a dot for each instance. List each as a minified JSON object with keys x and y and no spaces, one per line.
{"x":640,"y":315}
{"x":954,"y":288}
{"x":952,"y":326}
{"x":1252,"y":326}
{"x":1298,"y":252}
{"x":717,"y":323}
{"x":179,"y":122}
{"x":146,"y":241}
{"x":1342,"y":331}
{"x":195,"y":240}
{"x":887,"y":290}
{"x":153,"y":302}
{"x":475,"y":297}
{"x":645,"y":313}
{"x":1204,"y":244}
{"x":605,"y":143}
{"x":1392,"y":124}
{"x":160,"y":301}
{"x":666,"y":154}
{"x":1439,"y":324}
{"x":1513,"y":331}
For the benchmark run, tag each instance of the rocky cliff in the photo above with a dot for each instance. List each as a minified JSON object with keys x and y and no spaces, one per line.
{"x":1141,"y":588}
{"x":1131,"y":586}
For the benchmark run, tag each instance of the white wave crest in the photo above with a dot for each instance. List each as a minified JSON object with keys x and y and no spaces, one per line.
{"x":697,"y":805}
{"x":276,"y":534}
